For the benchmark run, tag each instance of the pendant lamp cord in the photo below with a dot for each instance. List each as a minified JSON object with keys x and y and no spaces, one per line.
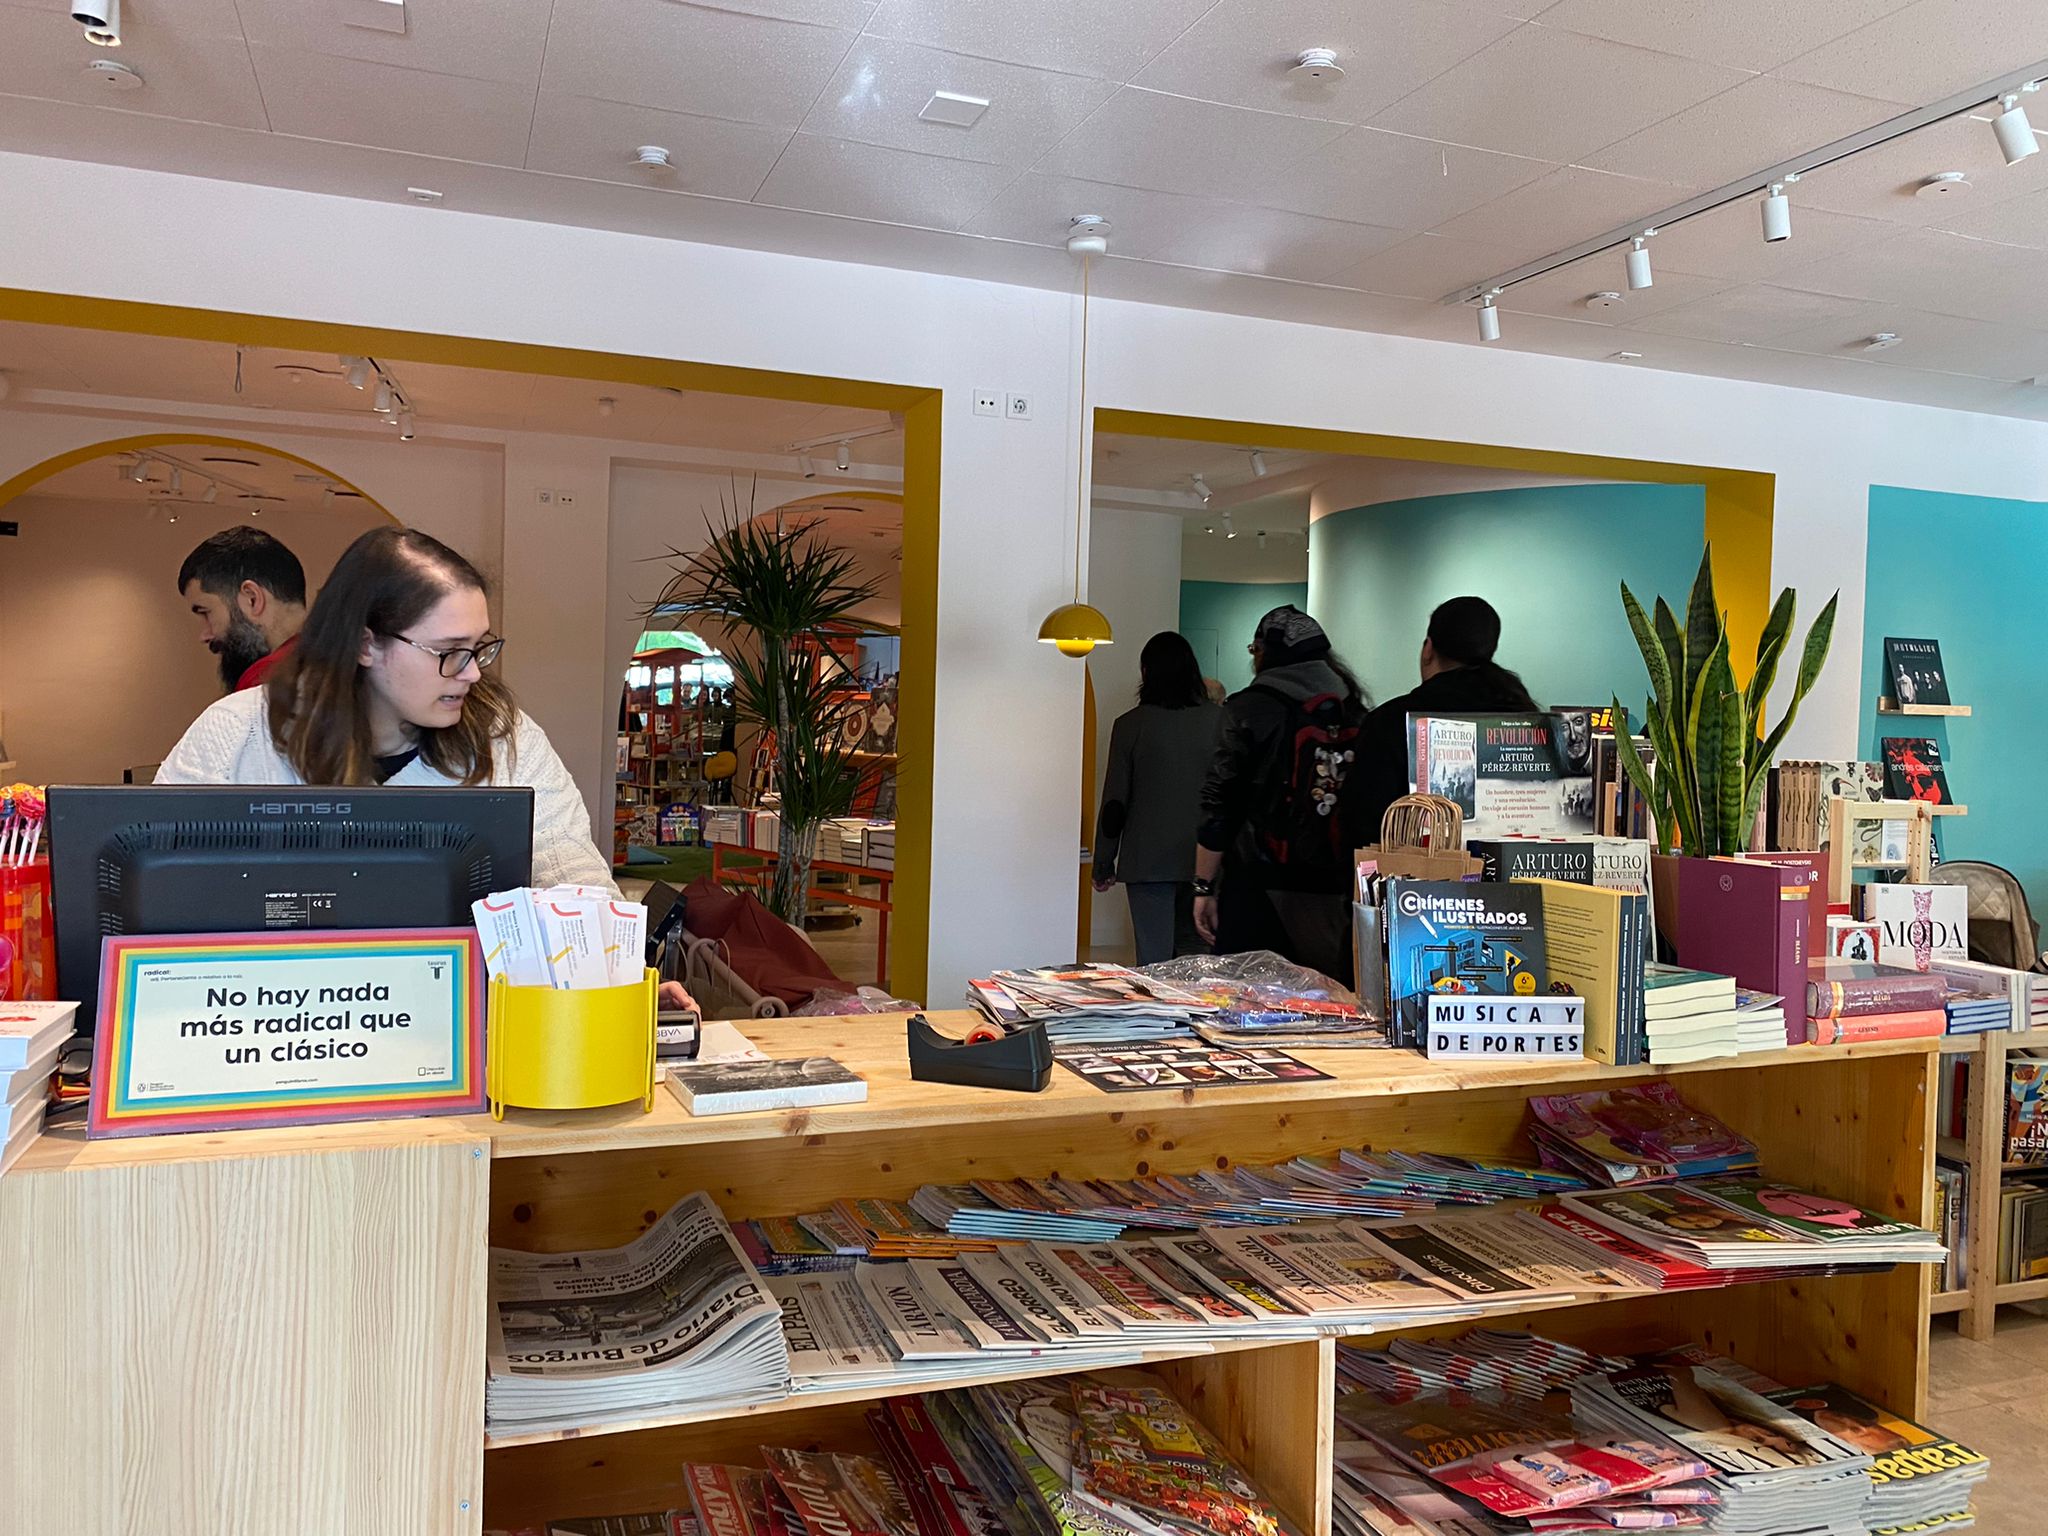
{"x":1081,"y":447}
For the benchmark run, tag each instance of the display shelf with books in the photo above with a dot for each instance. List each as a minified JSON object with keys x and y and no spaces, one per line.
{"x":1891,"y":706}
{"x":381,"y":1230}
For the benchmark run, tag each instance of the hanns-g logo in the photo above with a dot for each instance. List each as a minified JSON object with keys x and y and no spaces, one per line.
{"x":301,"y":808}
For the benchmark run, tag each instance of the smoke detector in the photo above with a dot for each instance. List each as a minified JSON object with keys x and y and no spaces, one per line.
{"x":110,"y":75}
{"x":1943,"y":184}
{"x":1317,"y":64}
{"x":1607,"y":300}
{"x":653,"y":156}
{"x":1882,"y":341}
{"x":1088,"y":235}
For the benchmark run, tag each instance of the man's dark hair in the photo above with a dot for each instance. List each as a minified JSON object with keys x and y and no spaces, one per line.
{"x":234,"y":555}
{"x":1168,"y":673}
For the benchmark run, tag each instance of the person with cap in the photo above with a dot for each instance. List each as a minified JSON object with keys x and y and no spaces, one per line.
{"x":1459,"y":677}
{"x":1273,"y":854}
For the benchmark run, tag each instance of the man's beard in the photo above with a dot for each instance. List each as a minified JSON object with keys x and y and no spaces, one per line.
{"x":239,"y":650}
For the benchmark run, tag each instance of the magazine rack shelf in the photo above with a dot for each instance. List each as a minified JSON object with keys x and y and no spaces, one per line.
{"x":285,"y":1330}
{"x":1890,"y":706}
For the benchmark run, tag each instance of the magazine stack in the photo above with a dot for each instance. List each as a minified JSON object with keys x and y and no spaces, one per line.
{"x":1088,"y":1003}
{"x":1918,"y":1479}
{"x":1755,"y":1224}
{"x":1639,"y":1134}
{"x":676,"y":1317}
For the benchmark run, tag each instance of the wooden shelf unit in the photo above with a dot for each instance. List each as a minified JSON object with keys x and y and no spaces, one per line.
{"x":1887,"y":705}
{"x":287,"y":1327}
{"x":1980,"y":1149}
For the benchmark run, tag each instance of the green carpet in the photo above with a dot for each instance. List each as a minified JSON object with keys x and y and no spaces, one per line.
{"x":678,"y":866}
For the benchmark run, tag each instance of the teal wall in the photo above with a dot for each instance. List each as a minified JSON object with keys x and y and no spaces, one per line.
{"x":1550,"y":558}
{"x":1966,"y":570}
{"x":1218,"y":618}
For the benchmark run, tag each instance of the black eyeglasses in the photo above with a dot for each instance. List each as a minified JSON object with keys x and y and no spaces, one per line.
{"x":454,"y":663}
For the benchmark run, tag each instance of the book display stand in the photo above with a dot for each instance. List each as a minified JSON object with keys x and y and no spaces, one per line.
{"x":1981,"y":1150}
{"x":275,"y":1331}
{"x":1843,"y":817}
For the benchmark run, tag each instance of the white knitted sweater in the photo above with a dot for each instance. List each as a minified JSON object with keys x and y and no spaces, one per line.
{"x":230,"y":744}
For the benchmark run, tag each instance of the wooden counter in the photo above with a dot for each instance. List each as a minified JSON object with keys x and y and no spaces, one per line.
{"x":247,"y":1333}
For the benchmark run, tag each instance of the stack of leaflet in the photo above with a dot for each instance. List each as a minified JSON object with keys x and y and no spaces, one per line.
{"x":1918,"y":1479}
{"x":725,"y":824}
{"x":1755,"y":1224}
{"x":32,"y":1037}
{"x":1759,"y":1021}
{"x":1640,"y":1134}
{"x":880,"y":845}
{"x":1773,"y":1471}
{"x":1691,"y":1015}
{"x":1088,"y":1004}
{"x":969,"y":1211}
{"x":569,"y":937}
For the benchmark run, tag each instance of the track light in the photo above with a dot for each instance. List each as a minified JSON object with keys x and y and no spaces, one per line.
{"x":1208,"y":527}
{"x":101,"y":20}
{"x":1639,"y":275}
{"x":211,"y":494}
{"x":803,"y":463}
{"x":1777,"y":211}
{"x":2015,"y":134}
{"x":382,"y":401}
{"x":358,"y":372}
{"x":1258,"y":464}
{"x":1489,"y":317}
{"x":845,"y":455}
{"x":139,"y":471}
{"x":1262,"y":538}
{"x":177,"y":481}
{"x":405,"y":426}
{"x":1201,"y":487}
{"x":1229,"y":532}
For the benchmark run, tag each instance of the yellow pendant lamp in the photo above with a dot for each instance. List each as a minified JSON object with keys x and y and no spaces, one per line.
{"x":1075,"y":628}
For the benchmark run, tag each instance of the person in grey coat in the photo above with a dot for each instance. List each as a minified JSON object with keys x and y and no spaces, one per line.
{"x":1159,"y":755}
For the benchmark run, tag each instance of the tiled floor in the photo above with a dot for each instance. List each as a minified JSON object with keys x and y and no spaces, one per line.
{"x":1993,"y":1397}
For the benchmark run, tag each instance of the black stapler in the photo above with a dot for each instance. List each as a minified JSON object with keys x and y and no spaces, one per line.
{"x":1020,"y":1062}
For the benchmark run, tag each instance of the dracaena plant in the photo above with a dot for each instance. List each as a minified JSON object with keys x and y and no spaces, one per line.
{"x":781,"y":591}
{"x":1713,"y":759}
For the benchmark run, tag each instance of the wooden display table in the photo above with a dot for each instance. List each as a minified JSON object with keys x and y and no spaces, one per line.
{"x":259,"y":1332}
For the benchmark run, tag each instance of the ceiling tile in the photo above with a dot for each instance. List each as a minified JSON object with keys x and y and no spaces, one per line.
{"x":1728,"y":241}
{"x":205,"y":78}
{"x":1753,"y":314}
{"x":1554,"y":95}
{"x":1266,"y":242}
{"x":352,"y":101}
{"x":1760,"y":122}
{"x":1950,"y":274}
{"x":865,"y":181}
{"x":575,"y":136}
{"x":1038,"y":208}
{"x":1171,"y":144}
{"x":1880,"y":183}
{"x":1945,"y":343}
{"x":1930,"y":50}
{"x":1565,"y":207}
{"x":1398,"y":182}
{"x":851,"y":14}
{"x":1427,"y":267}
{"x":881,"y":87}
{"x":1111,"y":41}
{"x":1241,"y":53}
{"x":499,"y":41}
{"x":1564,"y":292}
{"x":684,"y":58}
{"x":1742,"y":34}
{"x":2015,"y":221}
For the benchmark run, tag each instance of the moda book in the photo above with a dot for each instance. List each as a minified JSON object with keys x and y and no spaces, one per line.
{"x":1919,"y":926}
{"x":1912,"y":770}
{"x":736,"y":1087}
{"x":1915,"y":669}
{"x":1469,"y":937}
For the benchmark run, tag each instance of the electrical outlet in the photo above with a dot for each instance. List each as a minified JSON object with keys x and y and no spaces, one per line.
{"x":545,"y":497}
{"x":987,"y":404}
{"x":565,"y":498}
{"x":1017,"y":407}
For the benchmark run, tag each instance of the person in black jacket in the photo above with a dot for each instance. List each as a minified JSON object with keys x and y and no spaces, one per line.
{"x":1459,"y":677}
{"x":1273,"y":857}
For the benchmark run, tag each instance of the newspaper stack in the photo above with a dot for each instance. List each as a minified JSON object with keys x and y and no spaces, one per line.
{"x":1088,"y":1004}
{"x":675,"y":1317}
{"x":1773,"y":1471}
{"x":1484,"y":1359}
{"x":1756,"y":1224}
{"x":1917,"y":1478}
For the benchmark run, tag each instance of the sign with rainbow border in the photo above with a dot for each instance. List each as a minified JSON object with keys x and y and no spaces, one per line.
{"x":226,"y":1031}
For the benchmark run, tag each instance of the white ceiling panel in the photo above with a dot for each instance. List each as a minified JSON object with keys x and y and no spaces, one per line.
{"x":684,"y":58}
{"x":352,"y":101}
{"x":1929,"y":50}
{"x":1234,"y":237}
{"x":1742,"y":34}
{"x":1728,"y":242}
{"x":1396,"y":181}
{"x":2015,"y":221}
{"x":203,"y":77}
{"x":1563,"y":294}
{"x":1171,"y":144}
{"x":1760,"y":122}
{"x":1564,"y":207}
{"x":1753,"y":315}
{"x":575,"y":136}
{"x":1555,"y":95}
{"x":1038,"y":208}
{"x":865,"y":180}
{"x":1880,"y":183}
{"x":881,"y":87}
{"x":1949,"y":274}
{"x":1428,"y":267}
{"x":851,"y":14}
{"x":1112,"y":41}
{"x":1940,"y":342}
{"x":1241,"y":53}
{"x":499,"y":41}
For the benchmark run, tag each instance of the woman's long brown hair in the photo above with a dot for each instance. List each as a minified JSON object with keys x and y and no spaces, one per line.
{"x":384,"y":583}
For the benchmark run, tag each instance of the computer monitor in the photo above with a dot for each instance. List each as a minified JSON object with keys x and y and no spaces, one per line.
{"x":153,"y":859}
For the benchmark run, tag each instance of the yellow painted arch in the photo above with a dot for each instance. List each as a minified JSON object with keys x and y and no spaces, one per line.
{"x":36,"y":474}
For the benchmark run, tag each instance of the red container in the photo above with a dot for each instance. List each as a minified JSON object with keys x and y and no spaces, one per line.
{"x":28,"y":934}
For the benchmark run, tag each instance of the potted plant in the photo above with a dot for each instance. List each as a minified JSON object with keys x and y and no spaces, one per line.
{"x":1712,"y":760}
{"x":779,"y":590}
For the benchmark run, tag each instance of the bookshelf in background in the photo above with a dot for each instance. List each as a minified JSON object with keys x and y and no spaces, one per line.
{"x":1975,"y":1112}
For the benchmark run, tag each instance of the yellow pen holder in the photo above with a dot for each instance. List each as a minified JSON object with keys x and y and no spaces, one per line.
{"x":550,"y":1049}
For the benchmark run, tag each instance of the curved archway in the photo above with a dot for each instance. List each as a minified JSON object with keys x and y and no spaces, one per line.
{"x":28,"y":479}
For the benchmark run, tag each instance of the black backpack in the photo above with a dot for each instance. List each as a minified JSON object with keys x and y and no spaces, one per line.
{"x":1307,"y":813}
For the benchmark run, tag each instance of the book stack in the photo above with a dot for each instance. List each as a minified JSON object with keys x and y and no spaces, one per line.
{"x":1748,"y":919}
{"x":32,"y":1037}
{"x":1691,"y":1014}
{"x":1951,"y":1194}
{"x":1851,"y":1000}
{"x":879,"y":845}
{"x":1088,"y":1004}
{"x":1759,"y":1021}
{"x":1976,"y":1004}
{"x":1796,"y":806}
{"x":726,"y":824}
{"x":1639,"y":1134}
{"x":1918,"y":1480}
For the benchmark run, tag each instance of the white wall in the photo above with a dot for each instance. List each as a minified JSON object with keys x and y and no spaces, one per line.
{"x":103,"y":664}
{"x":1008,"y":708}
{"x":1134,"y":578}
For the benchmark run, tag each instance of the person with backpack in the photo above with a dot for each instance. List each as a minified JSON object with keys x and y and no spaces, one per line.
{"x":1273,"y":856}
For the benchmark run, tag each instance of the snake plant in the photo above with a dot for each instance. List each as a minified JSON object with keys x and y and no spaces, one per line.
{"x":1712,"y":758}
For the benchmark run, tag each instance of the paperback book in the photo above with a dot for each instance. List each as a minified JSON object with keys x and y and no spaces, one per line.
{"x":1466,"y":937}
{"x":732,"y":1088}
